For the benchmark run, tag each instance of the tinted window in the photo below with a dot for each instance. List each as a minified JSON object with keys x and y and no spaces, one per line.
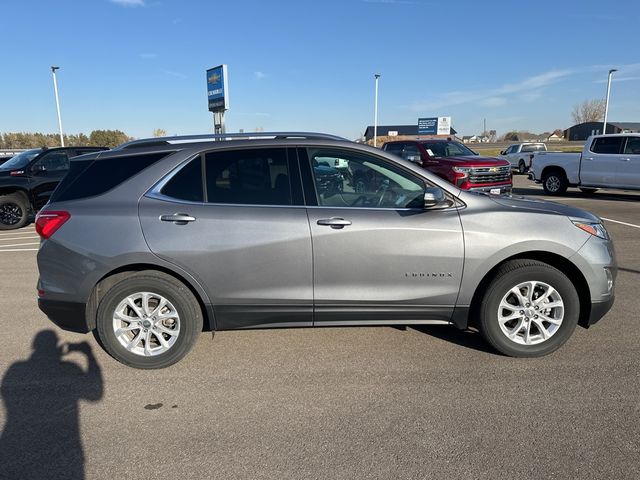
{"x":633,"y":146}
{"x":55,"y":161}
{"x":410,"y":150}
{"x":250,"y":177}
{"x":611,"y":145}
{"x":187,"y":183}
{"x":395,"y":148}
{"x":533,"y":148}
{"x":369,"y":182}
{"x":88,"y":178}
{"x":447,"y":149}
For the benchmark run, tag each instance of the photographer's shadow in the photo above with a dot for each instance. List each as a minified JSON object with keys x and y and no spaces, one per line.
{"x":41,"y":436}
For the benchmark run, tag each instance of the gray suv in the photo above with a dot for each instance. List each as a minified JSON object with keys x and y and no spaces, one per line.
{"x":151,"y":243}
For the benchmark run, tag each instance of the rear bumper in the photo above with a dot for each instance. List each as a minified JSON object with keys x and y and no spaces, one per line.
{"x":599,"y":310}
{"x":67,"y":315}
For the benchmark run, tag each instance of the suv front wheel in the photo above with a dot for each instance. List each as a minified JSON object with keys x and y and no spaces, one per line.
{"x":530,"y":309}
{"x":148,"y":320}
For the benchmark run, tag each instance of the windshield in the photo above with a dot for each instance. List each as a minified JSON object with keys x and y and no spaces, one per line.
{"x":447,"y":149}
{"x":21,"y":160}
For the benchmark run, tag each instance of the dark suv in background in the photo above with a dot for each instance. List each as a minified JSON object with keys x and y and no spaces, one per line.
{"x":455,"y":163}
{"x":28,"y":178}
{"x":148,"y":244}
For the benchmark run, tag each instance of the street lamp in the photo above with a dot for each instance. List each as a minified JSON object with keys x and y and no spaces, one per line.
{"x":55,"y":89}
{"x":606,"y":105}
{"x":375,"y":114}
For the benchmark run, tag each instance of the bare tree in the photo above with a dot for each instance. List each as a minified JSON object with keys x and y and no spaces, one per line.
{"x":588,"y":111}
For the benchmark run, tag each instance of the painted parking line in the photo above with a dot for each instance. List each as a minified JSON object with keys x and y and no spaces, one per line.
{"x":19,"y":244}
{"x":7,"y":239}
{"x":18,"y":232}
{"x":621,"y":223}
{"x":19,"y":250}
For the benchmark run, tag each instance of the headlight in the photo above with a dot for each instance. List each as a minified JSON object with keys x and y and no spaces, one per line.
{"x":596,"y":229}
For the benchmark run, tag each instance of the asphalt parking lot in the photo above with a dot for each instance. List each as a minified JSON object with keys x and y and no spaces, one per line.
{"x":427,"y":402}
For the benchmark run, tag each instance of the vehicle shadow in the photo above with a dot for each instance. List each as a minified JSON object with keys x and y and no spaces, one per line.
{"x":41,"y":436}
{"x":628,"y":270}
{"x":465,"y":338}
{"x":620,"y":196}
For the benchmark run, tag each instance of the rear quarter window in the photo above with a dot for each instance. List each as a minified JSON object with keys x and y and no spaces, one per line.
{"x":92,"y":177}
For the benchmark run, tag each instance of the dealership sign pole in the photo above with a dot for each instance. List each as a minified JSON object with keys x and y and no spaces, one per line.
{"x":218,"y":95}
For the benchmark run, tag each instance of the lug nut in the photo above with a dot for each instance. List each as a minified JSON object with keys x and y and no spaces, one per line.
{"x":535,"y":316}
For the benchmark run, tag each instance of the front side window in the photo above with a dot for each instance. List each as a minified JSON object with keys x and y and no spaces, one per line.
{"x":607,"y":145}
{"x":395,"y":148}
{"x":367,"y":182}
{"x":410,"y":150}
{"x":633,"y":146}
{"x":251,"y":177}
{"x":53,"y":162}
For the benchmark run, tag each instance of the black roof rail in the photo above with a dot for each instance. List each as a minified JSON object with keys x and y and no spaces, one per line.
{"x":219,"y":137}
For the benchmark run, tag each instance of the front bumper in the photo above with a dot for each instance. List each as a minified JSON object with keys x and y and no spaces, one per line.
{"x":599,"y":310}
{"x":502,"y":188}
{"x":67,"y":315}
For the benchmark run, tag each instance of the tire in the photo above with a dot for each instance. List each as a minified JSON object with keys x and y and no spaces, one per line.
{"x":180,"y":327}
{"x":589,"y":191}
{"x":522,"y":168}
{"x":555,"y":182}
{"x":535,"y":337}
{"x":14,"y":211}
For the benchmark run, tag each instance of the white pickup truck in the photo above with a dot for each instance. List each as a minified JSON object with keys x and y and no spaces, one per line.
{"x":606,"y":161}
{"x":519,"y":155}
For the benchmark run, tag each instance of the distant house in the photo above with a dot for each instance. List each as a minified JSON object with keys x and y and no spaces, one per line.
{"x":475,"y":139}
{"x":583,"y":130}
{"x":554,"y":137}
{"x":398,"y":130}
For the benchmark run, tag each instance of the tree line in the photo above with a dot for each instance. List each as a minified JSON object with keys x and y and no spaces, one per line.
{"x":101,"y":138}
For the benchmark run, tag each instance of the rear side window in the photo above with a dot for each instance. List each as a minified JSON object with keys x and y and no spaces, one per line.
{"x":187,"y":183}
{"x":251,"y":177}
{"x":88,"y":178}
{"x":610,"y":145}
{"x":633,"y":146}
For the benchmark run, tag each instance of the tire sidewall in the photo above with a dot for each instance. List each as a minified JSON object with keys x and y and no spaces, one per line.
{"x":499,"y":287}
{"x":181,"y":298}
{"x":561,"y":183}
{"x":21,"y":202}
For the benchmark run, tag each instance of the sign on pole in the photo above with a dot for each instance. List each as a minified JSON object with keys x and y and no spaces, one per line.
{"x":218,"y":89}
{"x":434,"y":126}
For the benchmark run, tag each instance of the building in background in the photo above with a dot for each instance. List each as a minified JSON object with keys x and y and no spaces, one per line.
{"x":582,"y":131}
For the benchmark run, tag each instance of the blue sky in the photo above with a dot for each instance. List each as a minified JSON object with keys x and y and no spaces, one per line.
{"x":137,"y":65}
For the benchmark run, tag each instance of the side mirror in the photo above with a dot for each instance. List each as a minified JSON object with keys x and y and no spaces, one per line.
{"x":503,"y":152}
{"x":415,"y":159}
{"x":434,"y":197}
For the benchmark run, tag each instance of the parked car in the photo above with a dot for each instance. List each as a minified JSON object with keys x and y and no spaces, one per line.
{"x":607,"y":161}
{"x":151,"y":243}
{"x":27,"y":180}
{"x":455,"y":163}
{"x":519,"y":155}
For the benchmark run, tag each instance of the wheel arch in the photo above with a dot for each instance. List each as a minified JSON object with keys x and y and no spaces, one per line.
{"x":18,"y":190}
{"x":561,"y":263}
{"x":553,"y":168}
{"x":111,"y":278}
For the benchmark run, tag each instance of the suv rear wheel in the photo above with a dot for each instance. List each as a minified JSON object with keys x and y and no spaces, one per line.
{"x":530,"y":309}
{"x":14,"y":211}
{"x":148,"y":320}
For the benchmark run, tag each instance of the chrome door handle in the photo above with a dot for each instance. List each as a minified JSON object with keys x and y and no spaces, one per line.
{"x":589,"y":158}
{"x":334,"y":222}
{"x":626,"y":159}
{"x":178,"y":218}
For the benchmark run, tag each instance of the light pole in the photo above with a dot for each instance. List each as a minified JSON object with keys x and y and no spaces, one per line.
{"x":375,"y":114}
{"x":55,"y":89}
{"x":606,"y":104}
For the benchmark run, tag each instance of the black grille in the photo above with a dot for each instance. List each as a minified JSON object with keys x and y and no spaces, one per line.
{"x":482,"y":175}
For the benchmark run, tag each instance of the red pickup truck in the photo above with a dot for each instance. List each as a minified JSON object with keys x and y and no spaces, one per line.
{"x":456,"y":163}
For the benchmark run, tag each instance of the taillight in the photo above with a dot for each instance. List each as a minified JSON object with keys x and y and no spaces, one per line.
{"x":49,"y":221}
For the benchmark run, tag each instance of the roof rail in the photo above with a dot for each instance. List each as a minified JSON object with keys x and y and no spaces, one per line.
{"x":219,"y":137}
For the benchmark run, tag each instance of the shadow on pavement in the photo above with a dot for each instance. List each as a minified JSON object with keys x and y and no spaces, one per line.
{"x":41,"y":436}
{"x":620,"y":196}
{"x":465,"y":338}
{"x":629,"y":270}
